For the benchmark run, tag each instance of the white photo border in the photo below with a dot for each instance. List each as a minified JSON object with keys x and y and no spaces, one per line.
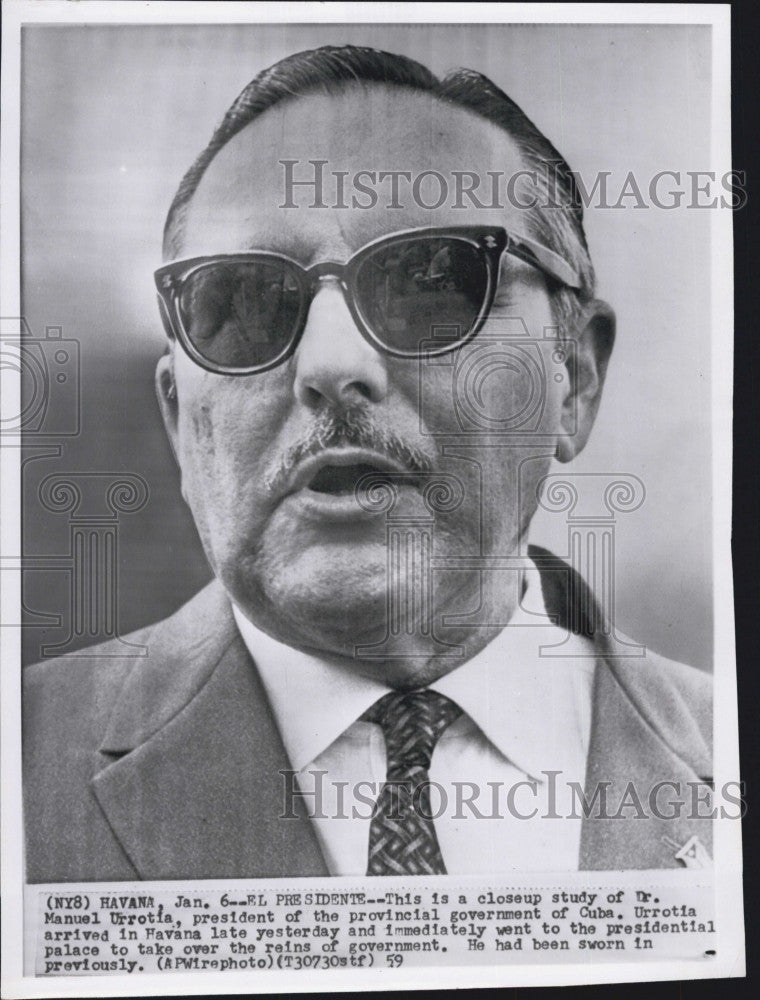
{"x":729,"y":914}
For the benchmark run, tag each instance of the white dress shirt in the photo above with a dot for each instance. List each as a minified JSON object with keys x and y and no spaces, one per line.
{"x":524,"y":712}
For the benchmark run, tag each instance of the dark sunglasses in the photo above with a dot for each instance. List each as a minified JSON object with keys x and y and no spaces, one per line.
{"x":422,"y":291}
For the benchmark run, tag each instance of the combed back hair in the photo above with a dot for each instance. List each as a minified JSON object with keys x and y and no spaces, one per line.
{"x":557,"y":219}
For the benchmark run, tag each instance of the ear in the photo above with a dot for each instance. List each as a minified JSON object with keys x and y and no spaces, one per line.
{"x":594,"y":335}
{"x":166,"y":392}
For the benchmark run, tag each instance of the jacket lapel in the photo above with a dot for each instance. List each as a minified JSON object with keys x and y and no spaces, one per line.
{"x":192,"y":785}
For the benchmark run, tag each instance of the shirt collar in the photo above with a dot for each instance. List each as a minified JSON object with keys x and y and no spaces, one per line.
{"x":529,"y":690}
{"x":313,"y":699}
{"x":528,"y":703}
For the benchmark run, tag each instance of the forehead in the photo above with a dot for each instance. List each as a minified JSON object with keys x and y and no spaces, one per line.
{"x":239,"y":202}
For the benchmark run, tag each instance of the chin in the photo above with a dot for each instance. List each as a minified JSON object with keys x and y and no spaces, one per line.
{"x":322,"y":598}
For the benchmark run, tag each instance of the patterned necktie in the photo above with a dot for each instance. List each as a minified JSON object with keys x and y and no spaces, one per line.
{"x":402,"y":838}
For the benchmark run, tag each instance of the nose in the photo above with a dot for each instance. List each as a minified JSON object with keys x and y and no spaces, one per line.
{"x":334,"y":363}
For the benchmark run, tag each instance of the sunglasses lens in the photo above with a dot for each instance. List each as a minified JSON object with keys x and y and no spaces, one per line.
{"x":241,"y":315}
{"x":422,"y":292}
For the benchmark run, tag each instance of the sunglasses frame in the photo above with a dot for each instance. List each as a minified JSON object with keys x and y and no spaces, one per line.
{"x":491,"y":241}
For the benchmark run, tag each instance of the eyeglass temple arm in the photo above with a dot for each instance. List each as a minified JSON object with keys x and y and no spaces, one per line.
{"x":544,"y":259}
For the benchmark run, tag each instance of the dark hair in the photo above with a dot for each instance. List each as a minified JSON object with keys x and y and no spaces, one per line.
{"x":330,"y":69}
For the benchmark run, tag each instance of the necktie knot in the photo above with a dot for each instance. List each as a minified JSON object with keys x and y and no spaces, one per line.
{"x":412,"y":724}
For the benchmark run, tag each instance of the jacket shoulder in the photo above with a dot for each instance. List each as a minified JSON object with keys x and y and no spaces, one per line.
{"x":69,"y":706}
{"x":67,"y":702}
{"x":80,"y":689}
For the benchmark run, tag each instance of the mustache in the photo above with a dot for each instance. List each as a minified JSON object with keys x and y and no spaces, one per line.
{"x":347,"y":426}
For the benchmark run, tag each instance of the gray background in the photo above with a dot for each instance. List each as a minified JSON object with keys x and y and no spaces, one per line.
{"x":112,"y":117}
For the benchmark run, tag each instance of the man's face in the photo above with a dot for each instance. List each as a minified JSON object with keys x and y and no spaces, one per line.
{"x":281,"y":527}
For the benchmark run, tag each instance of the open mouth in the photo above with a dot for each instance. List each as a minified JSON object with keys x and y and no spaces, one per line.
{"x":341,"y":480}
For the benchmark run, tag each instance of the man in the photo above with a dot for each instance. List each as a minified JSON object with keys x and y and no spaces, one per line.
{"x":364,"y":395}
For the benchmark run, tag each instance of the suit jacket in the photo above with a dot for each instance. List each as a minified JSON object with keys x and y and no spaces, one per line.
{"x":167,"y":766}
